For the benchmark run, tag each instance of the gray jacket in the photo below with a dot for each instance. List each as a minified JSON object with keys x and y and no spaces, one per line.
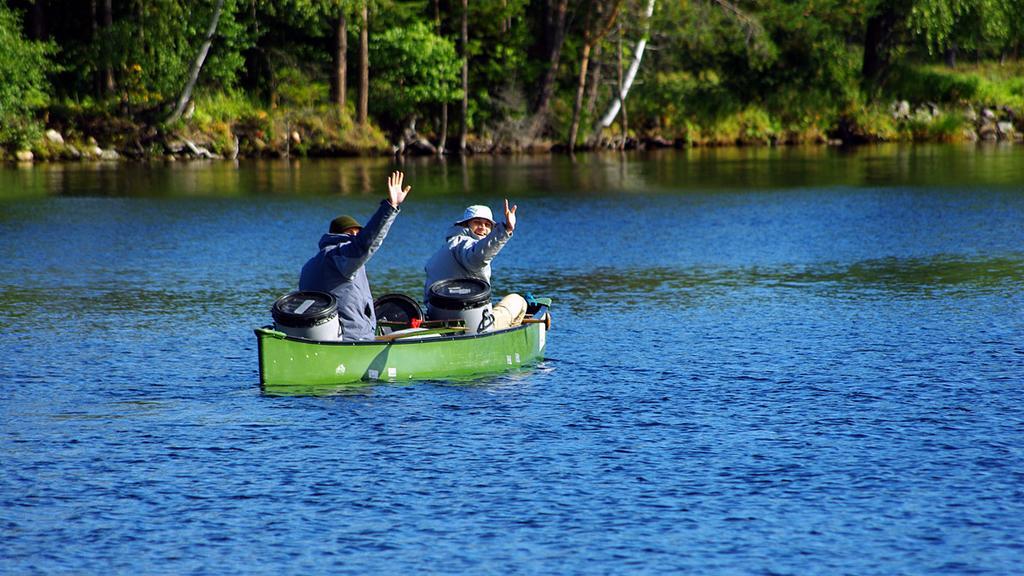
{"x":464,"y":255}
{"x":338,"y":268}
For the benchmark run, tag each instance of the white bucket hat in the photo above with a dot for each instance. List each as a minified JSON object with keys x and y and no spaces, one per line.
{"x":476,"y":211}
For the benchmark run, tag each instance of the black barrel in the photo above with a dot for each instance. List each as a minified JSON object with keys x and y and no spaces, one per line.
{"x":397,"y":309}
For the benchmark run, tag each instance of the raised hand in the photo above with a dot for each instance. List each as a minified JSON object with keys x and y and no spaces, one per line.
{"x":510,"y":217}
{"x":396,"y":195}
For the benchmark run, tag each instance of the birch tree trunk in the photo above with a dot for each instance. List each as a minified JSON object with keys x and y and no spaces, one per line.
{"x":591,"y":35}
{"x":197,"y":66}
{"x":634,"y":66}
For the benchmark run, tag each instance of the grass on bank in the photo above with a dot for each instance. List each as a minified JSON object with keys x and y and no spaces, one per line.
{"x":214,"y":122}
{"x":307,"y":128}
{"x":990,"y":84}
{"x":943,"y":104}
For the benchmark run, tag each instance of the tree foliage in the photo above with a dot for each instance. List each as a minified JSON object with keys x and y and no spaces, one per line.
{"x":23,"y":84}
{"x":413,"y":67}
{"x":708,"y":60}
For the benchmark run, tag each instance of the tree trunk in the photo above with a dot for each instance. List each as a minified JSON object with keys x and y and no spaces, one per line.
{"x":442,"y":138}
{"x":625,"y":116}
{"x":38,"y":22}
{"x":197,"y":66}
{"x":951,"y":55}
{"x":94,"y":20}
{"x":442,"y":144}
{"x":879,"y":41}
{"x":594,"y":84}
{"x":272,"y":93}
{"x":598,"y":24}
{"x":364,"y":65}
{"x":581,"y":85}
{"x":108,"y":70}
{"x":464,"y":120}
{"x":339,"y":85}
{"x":634,"y":67}
{"x":556,"y":33}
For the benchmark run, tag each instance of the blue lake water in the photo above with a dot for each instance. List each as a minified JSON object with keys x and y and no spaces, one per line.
{"x":803,"y":361}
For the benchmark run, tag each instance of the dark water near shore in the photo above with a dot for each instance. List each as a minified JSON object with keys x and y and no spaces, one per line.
{"x":800,"y":361}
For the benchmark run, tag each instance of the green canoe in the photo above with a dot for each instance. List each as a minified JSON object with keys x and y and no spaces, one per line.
{"x":287,"y":361}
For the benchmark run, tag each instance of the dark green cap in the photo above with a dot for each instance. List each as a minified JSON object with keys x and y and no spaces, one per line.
{"x":342,"y":223}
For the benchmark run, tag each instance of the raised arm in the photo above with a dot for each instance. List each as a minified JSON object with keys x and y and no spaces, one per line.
{"x":475,"y":255}
{"x":357,"y":252}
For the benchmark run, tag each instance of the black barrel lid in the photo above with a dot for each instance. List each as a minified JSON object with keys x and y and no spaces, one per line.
{"x":397,"y":308}
{"x":460,"y":293}
{"x":304,"y":309}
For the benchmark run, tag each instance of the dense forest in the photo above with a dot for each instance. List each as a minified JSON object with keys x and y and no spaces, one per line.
{"x":223,"y":78}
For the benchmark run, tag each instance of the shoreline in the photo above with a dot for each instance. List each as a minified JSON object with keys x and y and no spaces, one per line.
{"x":56,"y":150}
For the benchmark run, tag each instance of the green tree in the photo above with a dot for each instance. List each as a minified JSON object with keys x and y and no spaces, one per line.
{"x":497,"y":52}
{"x":940,"y":26}
{"x":23,"y":84}
{"x":982,"y":27}
{"x":413,"y":67}
{"x":313,"y":35}
{"x":142,"y":58}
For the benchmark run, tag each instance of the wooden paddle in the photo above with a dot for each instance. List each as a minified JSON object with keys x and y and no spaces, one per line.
{"x":546,"y":321}
{"x":392,"y":337}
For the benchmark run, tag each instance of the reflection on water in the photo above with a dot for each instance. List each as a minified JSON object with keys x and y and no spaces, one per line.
{"x":351,"y":389}
{"x":949,"y":274}
{"x":199,"y":178}
{"x":968,"y":166}
{"x":510,"y":382}
{"x":943,"y":276}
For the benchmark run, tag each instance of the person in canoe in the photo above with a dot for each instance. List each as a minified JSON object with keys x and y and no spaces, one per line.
{"x":338,"y":266}
{"x":470,"y":245}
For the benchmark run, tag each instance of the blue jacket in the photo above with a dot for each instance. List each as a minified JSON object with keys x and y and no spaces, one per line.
{"x":338,"y":268}
{"x":464,"y":255}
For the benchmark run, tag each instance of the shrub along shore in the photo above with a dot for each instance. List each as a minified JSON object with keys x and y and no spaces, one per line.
{"x":234,"y":126}
{"x":321,"y":133}
{"x":283,"y":133}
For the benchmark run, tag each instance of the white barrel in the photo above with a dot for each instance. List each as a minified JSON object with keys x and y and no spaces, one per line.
{"x":465,"y":299}
{"x":308,"y":314}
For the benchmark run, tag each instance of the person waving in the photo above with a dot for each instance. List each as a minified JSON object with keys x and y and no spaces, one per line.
{"x":470,"y":245}
{"x":339,"y":264}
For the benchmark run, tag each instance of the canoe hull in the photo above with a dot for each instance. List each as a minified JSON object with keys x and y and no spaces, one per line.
{"x":288,"y":361}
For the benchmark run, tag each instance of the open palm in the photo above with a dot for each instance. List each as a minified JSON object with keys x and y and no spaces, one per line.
{"x":396,"y":194}
{"x":510,"y":216}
